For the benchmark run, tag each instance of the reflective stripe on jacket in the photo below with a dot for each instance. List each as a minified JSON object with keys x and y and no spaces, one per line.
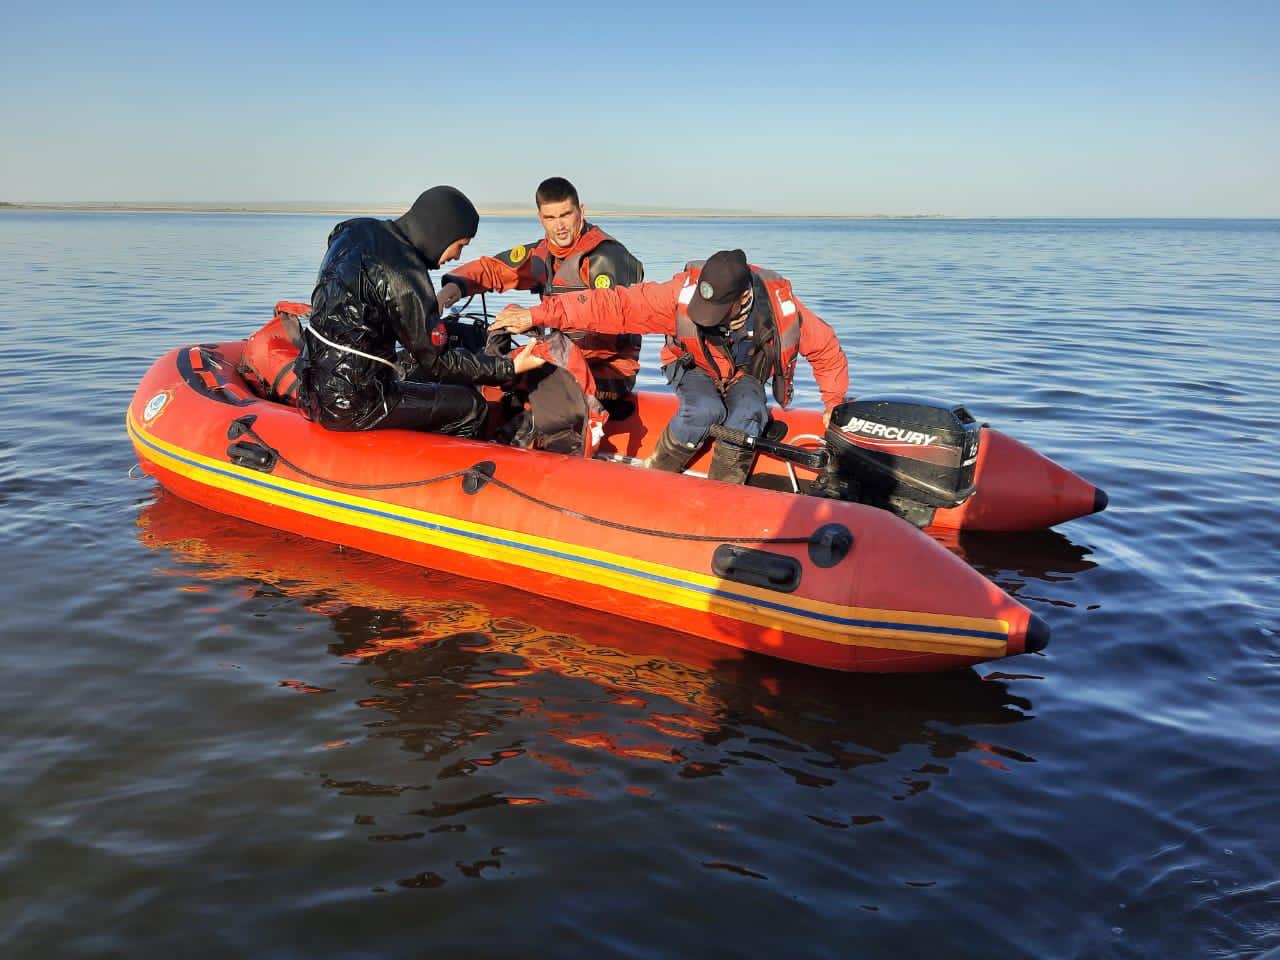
{"x":774,"y":328}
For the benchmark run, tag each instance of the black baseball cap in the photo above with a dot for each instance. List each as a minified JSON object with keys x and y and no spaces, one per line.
{"x":725,"y":277}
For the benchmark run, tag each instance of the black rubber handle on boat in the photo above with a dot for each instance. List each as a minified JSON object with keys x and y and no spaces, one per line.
{"x":813,"y":459}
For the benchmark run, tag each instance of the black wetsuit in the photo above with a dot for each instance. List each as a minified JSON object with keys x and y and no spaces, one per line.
{"x":373,"y":292}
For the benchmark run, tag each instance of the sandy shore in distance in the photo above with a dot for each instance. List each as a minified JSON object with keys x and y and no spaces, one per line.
{"x":349,"y":210}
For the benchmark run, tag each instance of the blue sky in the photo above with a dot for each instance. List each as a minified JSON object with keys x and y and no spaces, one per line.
{"x":979,"y":109}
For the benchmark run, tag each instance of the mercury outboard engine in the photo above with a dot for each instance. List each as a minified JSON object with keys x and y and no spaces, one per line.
{"x":904,"y":454}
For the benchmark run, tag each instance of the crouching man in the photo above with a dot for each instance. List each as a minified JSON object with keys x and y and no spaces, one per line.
{"x":730,"y":327}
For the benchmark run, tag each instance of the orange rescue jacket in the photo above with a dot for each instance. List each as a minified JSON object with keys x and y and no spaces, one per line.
{"x":782,"y":329}
{"x":595,"y":261}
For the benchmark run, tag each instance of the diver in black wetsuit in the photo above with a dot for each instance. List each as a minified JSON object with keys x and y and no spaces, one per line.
{"x":373,"y":292}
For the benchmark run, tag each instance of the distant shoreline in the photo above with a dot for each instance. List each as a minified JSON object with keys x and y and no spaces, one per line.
{"x":488,"y":211}
{"x":601,"y":212}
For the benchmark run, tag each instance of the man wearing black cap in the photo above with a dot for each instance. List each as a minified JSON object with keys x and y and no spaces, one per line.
{"x":374,"y":291}
{"x":730,"y":328}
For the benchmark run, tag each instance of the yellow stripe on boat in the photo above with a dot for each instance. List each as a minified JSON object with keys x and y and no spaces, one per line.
{"x":821,"y":620}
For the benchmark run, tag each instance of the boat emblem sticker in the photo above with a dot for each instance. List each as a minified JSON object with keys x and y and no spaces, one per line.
{"x":155,"y":406}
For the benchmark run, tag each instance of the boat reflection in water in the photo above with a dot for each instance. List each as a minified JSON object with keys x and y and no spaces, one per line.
{"x":1013,"y":560}
{"x":454,"y":662}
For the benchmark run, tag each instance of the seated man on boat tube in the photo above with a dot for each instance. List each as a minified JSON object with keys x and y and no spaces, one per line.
{"x":374,"y":291}
{"x":572,"y":255}
{"x":730,"y":327}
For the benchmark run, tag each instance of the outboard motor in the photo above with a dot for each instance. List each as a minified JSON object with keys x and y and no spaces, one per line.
{"x":904,"y":454}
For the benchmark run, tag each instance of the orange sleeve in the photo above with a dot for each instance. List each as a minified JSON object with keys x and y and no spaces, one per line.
{"x":642,"y":308}
{"x":819,"y":345}
{"x":495,"y":274}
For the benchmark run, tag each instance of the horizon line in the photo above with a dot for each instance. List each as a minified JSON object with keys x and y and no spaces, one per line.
{"x":488,"y":209}
{"x":508,"y":210}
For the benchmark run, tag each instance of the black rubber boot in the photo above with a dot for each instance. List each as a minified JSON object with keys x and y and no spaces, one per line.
{"x":730,"y":463}
{"x":670,"y":455}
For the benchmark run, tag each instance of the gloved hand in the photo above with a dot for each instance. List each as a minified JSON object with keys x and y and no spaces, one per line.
{"x":449,"y":294}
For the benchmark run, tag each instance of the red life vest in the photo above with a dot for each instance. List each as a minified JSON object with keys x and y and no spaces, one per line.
{"x":271,"y":352}
{"x":566,"y":277}
{"x":612,"y":357}
{"x":775,"y":335}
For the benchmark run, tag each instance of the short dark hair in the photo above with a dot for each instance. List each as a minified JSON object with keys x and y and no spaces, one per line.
{"x":556,"y":190}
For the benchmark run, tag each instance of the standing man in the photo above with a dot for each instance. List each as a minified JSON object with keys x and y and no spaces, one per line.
{"x":373,"y":292}
{"x":573,"y":255}
{"x":730,"y":328}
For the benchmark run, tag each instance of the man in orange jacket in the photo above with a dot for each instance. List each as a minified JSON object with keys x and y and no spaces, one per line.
{"x":730,"y":327}
{"x":573,"y":255}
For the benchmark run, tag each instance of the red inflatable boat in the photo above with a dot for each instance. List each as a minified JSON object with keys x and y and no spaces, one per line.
{"x":819,"y":580}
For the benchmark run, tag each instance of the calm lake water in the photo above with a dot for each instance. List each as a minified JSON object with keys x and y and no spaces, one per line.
{"x":220,"y":741}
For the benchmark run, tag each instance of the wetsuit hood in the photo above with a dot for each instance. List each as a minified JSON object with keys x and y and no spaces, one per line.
{"x":437,"y":218}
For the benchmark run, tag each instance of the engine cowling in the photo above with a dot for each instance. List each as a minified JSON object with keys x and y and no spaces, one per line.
{"x":910,"y":455}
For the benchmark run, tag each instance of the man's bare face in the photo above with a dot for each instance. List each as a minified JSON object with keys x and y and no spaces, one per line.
{"x":562,"y":221}
{"x":454,"y":250}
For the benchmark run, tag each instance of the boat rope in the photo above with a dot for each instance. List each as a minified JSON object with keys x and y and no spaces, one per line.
{"x":246,"y":429}
{"x":646,"y":531}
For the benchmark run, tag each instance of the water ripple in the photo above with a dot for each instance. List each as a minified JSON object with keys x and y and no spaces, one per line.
{"x":298,"y":750}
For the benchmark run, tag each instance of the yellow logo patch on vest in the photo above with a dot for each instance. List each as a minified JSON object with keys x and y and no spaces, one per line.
{"x":517,"y":253}
{"x":604,"y":281}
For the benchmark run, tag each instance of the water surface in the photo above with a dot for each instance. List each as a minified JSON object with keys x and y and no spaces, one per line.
{"x":225,"y":741}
